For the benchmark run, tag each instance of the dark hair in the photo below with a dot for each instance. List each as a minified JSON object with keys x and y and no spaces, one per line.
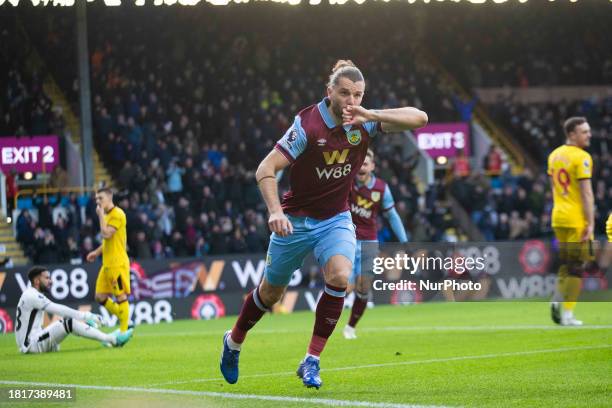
{"x":35,"y":271}
{"x":570,"y":124}
{"x":347,"y":69}
{"x":370,"y":154}
{"x":106,"y":190}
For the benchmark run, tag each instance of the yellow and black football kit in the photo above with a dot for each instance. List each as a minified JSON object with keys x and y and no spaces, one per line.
{"x":567,"y":166}
{"x":114,"y":275}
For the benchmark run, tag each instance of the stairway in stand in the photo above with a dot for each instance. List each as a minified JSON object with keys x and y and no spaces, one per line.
{"x":9,"y":247}
{"x":73,"y":127}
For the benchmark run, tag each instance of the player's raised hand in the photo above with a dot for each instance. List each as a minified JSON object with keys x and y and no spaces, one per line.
{"x":355,"y":115}
{"x":99,"y":211}
{"x":279,"y":223}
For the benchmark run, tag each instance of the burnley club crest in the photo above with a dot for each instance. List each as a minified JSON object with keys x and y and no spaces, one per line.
{"x":354,"y":137}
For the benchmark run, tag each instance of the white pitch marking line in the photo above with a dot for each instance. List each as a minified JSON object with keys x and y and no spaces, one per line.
{"x":400,"y":328}
{"x":392,"y":328}
{"x":386,"y":328}
{"x":401,"y":363}
{"x":321,"y":401}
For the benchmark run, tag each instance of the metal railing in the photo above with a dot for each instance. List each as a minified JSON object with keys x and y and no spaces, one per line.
{"x":51,"y":190}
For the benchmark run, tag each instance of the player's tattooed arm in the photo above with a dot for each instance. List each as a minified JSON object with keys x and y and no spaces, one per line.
{"x":392,"y":120}
{"x":266,"y":180}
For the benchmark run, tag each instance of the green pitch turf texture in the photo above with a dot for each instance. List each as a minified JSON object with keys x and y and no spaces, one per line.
{"x":494,"y":354}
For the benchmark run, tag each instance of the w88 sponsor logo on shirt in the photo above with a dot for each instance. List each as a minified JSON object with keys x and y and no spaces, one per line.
{"x":334,"y":172}
{"x":331,"y":158}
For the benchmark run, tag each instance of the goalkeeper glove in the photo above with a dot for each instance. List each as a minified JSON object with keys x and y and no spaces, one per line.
{"x":93,"y":320}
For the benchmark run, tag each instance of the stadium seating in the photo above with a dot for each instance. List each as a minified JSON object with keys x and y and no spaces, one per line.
{"x":184,"y":111}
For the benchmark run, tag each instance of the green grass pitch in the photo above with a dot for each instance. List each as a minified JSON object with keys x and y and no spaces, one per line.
{"x":494,"y":354}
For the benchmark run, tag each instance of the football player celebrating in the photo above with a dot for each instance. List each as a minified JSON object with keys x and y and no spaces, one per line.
{"x":325,"y":147}
{"x":369,"y":196}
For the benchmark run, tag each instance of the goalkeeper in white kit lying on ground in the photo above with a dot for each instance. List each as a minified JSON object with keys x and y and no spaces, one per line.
{"x":29,"y":333}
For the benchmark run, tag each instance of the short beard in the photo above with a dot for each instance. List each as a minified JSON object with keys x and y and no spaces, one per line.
{"x":337,"y":111}
{"x":43,"y":289}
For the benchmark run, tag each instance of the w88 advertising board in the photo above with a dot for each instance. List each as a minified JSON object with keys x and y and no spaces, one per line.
{"x":197,"y":288}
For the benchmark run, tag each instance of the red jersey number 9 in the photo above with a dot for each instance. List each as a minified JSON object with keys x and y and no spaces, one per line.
{"x":562,"y":178}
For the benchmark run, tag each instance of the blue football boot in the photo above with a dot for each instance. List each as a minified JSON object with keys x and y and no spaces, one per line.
{"x":229,"y":361}
{"x":308,"y":371}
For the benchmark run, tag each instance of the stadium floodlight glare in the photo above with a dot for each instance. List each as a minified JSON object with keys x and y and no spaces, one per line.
{"x":28,"y":175}
{"x":441,"y":160}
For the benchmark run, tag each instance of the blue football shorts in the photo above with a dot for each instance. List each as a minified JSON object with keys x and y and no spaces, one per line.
{"x":329,"y":237}
{"x":364,"y":259}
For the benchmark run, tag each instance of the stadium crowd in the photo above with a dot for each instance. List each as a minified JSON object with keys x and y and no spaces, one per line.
{"x":538,"y":48}
{"x":537,"y":51}
{"x":183,"y":143}
{"x":508,"y":207}
{"x":184,"y":112}
{"x":25,"y":108}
